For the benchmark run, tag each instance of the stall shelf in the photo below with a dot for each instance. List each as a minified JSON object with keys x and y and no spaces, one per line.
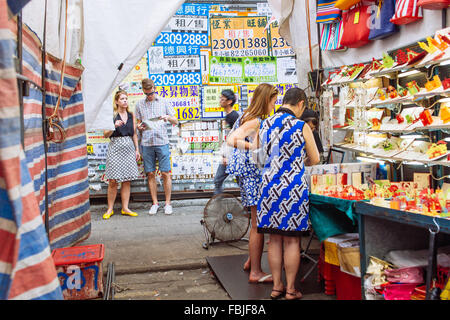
{"x":382,"y":230}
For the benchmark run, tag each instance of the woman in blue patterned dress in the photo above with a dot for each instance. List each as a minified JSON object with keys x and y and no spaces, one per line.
{"x":244,"y":132}
{"x":283,"y":204}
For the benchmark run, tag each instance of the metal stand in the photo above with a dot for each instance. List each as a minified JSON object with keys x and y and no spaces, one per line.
{"x":304,"y":254}
{"x":210,"y":240}
{"x":110,"y":279}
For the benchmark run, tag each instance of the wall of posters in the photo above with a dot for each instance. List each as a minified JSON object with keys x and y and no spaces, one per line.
{"x":203,"y":49}
{"x":239,"y":36}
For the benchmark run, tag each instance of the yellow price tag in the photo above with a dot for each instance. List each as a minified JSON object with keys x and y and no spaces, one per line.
{"x":356,"y":20}
{"x":188,"y":113}
{"x":90,"y":149}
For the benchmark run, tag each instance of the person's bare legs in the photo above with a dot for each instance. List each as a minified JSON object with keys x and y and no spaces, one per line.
{"x":275,"y":258}
{"x":255,"y":248}
{"x":125,"y":195}
{"x":151,"y":179}
{"x":291,"y":265}
{"x":167,"y":183}
{"x":112,"y":193}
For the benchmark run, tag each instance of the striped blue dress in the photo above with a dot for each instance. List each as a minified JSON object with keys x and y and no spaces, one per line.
{"x":283,"y":202}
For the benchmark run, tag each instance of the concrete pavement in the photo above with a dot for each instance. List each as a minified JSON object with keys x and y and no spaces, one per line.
{"x":161,"y":257}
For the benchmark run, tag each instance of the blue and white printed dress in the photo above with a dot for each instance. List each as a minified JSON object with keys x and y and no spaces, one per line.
{"x":248,"y":174}
{"x":283,"y":203}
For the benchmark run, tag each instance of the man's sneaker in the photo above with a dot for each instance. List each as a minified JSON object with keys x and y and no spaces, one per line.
{"x":153,"y":209}
{"x":168,"y":209}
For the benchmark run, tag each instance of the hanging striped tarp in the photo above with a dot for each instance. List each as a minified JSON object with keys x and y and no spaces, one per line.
{"x":27,"y":270}
{"x":68,"y":185}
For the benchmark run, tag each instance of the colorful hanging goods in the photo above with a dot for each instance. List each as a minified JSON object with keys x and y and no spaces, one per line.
{"x":425,"y":117}
{"x":330,"y":37}
{"x":356,"y":27}
{"x":433,"y":84}
{"x":433,"y":4}
{"x":327,"y":12}
{"x":345,"y":4}
{"x":399,"y":118}
{"x":392,"y":92}
{"x":437,"y":149}
{"x":445,"y":114}
{"x":388,"y":62}
{"x":406,"y":11}
{"x":402,"y":92}
{"x":413,"y":56}
{"x":413,"y":88}
{"x":430,"y":48}
{"x":446,"y":83}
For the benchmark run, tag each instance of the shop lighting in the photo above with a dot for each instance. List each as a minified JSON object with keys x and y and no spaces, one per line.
{"x":444,"y":63}
{"x":412,"y":136}
{"x":409,"y":73}
{"x":413,"y":163}
{"x":364,"y":159}
{"x":447,"y":139}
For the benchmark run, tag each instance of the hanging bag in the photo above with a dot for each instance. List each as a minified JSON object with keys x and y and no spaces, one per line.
{"x":406,"y":11}
{"x":346,"y":4}
{"x":380,"y":25}
{"x":327,"y":12}
{"x":330,"y":37}
{"x":356,"y":29}
{"x":433,"y":4}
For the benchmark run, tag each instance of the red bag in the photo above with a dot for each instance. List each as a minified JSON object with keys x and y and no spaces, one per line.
{"x":399,"y":291}
{"x":433,"y":4}
{"x":356,"y":28}
{"x":406,"y":11}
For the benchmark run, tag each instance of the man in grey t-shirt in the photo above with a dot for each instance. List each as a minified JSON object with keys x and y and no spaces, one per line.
{"x":155,"y":142}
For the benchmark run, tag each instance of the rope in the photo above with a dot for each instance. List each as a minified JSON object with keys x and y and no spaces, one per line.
{"x":53,"y":119}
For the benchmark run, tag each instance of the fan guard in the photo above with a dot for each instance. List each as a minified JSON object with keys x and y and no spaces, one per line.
{"x":225,"y":218}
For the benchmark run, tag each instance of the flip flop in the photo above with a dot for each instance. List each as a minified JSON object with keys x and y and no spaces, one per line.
{"x":264,"y":279}
{"x":297,"y":294}
{"x":278,"y":296}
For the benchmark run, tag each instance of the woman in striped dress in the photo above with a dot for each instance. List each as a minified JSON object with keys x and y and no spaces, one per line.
{"x":288,"y":145}
{"x":123,"y":154}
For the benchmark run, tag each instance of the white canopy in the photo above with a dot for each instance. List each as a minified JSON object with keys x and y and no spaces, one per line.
{"x":104,"y":34}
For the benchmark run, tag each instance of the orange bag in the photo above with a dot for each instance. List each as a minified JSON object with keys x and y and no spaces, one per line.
{"x":345,"y":4}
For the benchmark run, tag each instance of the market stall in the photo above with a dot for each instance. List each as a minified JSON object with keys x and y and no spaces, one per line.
{"x":383,"y":82}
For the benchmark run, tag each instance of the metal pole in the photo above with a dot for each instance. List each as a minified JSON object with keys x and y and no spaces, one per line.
{"x":44,"y":123}
{"x":19,"y":70}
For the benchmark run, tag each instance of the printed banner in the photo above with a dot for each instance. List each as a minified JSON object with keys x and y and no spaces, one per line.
{"x":188,"y":23}
{"x":260,"y":69}
{"x":279,"y":46}
{"x":184,"y":99}
{"x":211,"y":101}
{"x":181,"y":38}
{"x":173,"y":70}
{"x":204,"y":64}
{"x":239,"y":36}
{"x":225,"y":70}
{"x":192,"y":166}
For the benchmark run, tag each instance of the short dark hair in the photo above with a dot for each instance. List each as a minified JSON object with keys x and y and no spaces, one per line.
{"x":229,"y":94}
{"x":294,"y":96}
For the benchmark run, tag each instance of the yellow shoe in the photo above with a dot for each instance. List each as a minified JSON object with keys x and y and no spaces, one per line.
{"x":106,"y":216}
{"x":132,"y":214}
